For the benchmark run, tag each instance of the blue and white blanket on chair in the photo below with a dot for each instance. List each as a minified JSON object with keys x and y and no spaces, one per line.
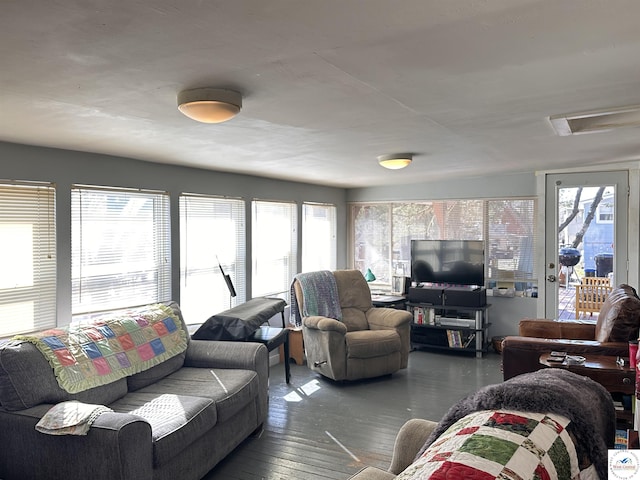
{"x":320,"y":293}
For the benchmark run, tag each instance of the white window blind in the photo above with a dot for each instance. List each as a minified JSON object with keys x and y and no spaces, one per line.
{"x":120,"y":248}
{"x":274,"y":247}
{"x":212,"y":230}
{"x":511,"y":239}
{"x":28,"y":258}
{"x":318,"y":237}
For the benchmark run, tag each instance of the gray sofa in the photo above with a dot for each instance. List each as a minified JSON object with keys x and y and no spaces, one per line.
{"x":177,"y":419}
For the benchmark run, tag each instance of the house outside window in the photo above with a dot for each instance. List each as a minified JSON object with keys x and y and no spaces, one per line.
{"x":120,"y":241}
{"x":212,"y":237}
{"x":28,"y":256}
{"x":274,"y":247}
{"x":382,"y":234}
{"x":318,"y":237}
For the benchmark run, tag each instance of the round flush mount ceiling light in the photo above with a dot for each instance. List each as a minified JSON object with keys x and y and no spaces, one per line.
{"x":210,"y":105}
{"x":395,"y":161}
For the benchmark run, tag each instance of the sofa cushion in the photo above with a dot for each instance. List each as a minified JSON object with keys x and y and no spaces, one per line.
{"x":230,"y":389}
{"x":176,"y":420}
{"x":619,"y":318}
{"x":372,"y":343}
{"x":27,"y":380}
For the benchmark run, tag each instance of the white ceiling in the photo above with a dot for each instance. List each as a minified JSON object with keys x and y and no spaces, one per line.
{"x":328,"y":85}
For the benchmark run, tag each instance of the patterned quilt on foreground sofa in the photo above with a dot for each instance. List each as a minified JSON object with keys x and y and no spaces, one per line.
{"x":581,"y":406}
{"x":502,"y":444}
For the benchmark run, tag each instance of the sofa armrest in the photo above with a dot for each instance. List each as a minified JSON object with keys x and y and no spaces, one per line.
{"x":325,"y":324}
{"x":117,"y":447}
{"x":522,"y":354}
{"x":221,"y":354}
{"x":409,"y":442}
{"x":388,"y":318}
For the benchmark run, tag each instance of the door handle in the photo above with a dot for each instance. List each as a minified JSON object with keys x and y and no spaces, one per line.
{"x":551,"y":278}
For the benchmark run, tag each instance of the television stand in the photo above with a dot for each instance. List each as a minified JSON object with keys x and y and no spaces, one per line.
{"x":450,"y":327}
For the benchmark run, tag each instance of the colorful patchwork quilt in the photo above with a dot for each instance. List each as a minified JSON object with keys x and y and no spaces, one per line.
{"x":89,"y":354}
{"x":501,"y":444}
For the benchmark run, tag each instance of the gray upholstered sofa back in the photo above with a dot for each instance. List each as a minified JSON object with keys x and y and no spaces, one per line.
{"x":27,"y":380}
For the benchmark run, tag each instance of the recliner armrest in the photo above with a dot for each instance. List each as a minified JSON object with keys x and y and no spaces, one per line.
{"x":388,"y":317}
{"x":324,"y":323}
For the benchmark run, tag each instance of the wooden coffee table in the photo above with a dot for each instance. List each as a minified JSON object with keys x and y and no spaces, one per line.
{"x":604,"y":370}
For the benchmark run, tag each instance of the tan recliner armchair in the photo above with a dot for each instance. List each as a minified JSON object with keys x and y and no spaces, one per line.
{"x":367,"y":342}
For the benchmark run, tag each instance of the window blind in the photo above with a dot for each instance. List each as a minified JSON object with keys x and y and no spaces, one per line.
{"x":318,"y":237}
{"x":212,"y":230}
{"x":28,"y":256}
{"x":274,"y":247}
{"x":511,"y":240}
{"x":120,"y":242}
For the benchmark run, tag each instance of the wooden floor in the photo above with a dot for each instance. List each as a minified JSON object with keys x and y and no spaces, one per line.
{"x":319,"y":429}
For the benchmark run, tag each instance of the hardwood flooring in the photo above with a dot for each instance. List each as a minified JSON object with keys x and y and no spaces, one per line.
{"x":318,"y":429}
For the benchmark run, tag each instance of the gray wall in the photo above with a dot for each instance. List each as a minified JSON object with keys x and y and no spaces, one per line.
{"x":513,"y":185}
{"x":65,"y":168}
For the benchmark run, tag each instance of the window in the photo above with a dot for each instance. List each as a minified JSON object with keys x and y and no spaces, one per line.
{"x":212,"y":234}
{"x":605,"y":212}
{"x":382,"y":235}
{"x":318,"y":237}
{"x":383,"y":232}
{"x":274,"y":247}
{"x":28,"y":256}
{"x":372,"y":240}
{"x":120,"y":241}
{"x":511,"y":240}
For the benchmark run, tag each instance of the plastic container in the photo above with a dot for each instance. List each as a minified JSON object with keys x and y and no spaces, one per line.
{"x":604,"y":264}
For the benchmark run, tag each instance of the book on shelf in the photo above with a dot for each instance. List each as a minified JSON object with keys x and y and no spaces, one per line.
{"x":626,"y":439}
{"x":455,"y":338}
{"x":621,"y":440}
{"x":423,"y":316}
{"x":418,"y":315}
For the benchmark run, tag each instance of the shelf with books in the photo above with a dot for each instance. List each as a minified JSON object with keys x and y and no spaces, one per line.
{"x":450,"y":327}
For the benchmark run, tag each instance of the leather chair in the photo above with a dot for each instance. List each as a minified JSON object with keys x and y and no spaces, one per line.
{"x":618,"y":322}
{"x":366,"y":342}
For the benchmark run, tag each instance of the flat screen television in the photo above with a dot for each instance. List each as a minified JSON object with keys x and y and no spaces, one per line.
{"x":450,"y":262}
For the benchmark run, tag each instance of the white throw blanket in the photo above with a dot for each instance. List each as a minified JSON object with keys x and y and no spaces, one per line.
{"x":70,"y":418}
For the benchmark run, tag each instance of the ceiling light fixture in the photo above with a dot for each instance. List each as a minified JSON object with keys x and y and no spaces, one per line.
{"x":210,"y":105}
{"x":596,"y":120}
{"x":395,"y":161}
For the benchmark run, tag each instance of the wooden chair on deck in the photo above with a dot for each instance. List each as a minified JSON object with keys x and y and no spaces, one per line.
{"x":591,"y":294}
